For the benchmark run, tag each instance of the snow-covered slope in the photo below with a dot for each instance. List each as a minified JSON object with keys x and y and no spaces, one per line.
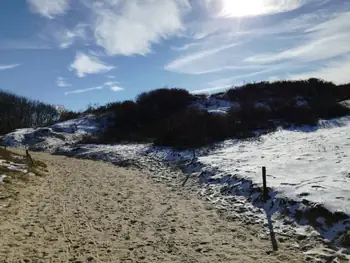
{"x":87,"y":124}
{"x":50,"y":138}
{"x":300,"y":165}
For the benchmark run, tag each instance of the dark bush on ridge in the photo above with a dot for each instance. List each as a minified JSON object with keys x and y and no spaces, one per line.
{"x":193,"y":128}
{"x":161,"y":103}
{"x":164,"y":117}
{"x":69,"y":115}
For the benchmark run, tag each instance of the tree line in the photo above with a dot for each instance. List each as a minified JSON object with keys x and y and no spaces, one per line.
{"x":20,"y":112}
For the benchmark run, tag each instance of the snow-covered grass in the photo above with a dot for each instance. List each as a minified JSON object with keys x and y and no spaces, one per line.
{"x":15,"y":172}
{"x":300,"y":165}
{"x":13,"y":165}
{"x":60,"y":134}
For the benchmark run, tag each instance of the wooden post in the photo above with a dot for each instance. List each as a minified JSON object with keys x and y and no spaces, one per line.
{"x":265,"y":194}
{"x":29,"y":157}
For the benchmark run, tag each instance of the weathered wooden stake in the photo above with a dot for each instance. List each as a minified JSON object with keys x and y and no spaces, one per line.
{"x":29,"y":157}
{"x":264,"y":183}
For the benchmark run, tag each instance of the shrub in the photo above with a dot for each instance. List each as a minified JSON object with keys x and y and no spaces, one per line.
{"x":69,"y":115}
{"x":161,"y":103}
{"x":164,"y":117}
{"x":192,"y":129}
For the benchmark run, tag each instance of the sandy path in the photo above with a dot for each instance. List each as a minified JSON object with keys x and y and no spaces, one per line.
{"x":87,"y":211}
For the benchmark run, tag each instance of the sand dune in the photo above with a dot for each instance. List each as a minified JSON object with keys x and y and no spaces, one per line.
{"x":89,"y":211}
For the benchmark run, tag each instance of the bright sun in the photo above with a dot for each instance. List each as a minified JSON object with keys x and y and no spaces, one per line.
{"x":240,"y":8}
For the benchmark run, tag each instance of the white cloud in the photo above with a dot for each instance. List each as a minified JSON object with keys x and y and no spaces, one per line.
{"x":49,"y":8}
{"x":239,"y":8}
{"x":84,"y":64}
{"x":78,"y":91}
{"x":333,"y":33}
{"x":111,"y":83}
{"x":336,"y":71}
{"x":10,"y":66}
{"x":131,"y":27}
{"x":61,"y":82}
{"x":110,"y":76}
{"x":116,"y":88}
{"x":283,"y":45}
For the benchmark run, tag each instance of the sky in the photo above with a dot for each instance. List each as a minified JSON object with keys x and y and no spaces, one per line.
{"x":76,"y":52}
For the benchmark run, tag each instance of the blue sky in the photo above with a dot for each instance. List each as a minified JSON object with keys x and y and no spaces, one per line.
{"x":77,"y":52}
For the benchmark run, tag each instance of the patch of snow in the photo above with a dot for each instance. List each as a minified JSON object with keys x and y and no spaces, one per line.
{"x":87,"y":124}
{"x":50,"y":138}
{"x":214,"y":105}
{"x":262,"y":105}
{"x":17,"y":137}
{"x":2,"y":177}
{"x":345,"y":103}
{"x":302,"y":103}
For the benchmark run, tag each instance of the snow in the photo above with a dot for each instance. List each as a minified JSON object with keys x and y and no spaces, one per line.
{"x":300,"y":165}
{"x":87,"y":124}
{"x":214,"y":105}
{"x":2,"y":177}
{"x":64,"y":133}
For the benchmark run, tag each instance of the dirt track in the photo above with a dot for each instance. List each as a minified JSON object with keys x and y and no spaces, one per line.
{"x":87,"y":211}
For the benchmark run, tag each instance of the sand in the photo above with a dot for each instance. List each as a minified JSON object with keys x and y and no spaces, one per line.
{"x":90,"y":211}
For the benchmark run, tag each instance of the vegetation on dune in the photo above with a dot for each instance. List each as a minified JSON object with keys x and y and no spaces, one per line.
{"x":19,"y":112}
{"x":168,"y":117}
{"x":17,"y":178}
{"x":165,"y":116}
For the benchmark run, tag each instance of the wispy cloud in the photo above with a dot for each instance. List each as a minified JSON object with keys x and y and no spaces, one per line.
{"x":78,"y":91}
{"x":179,"y":65}
{"x":66,"y":37}
{"x":333,"y":33}
{"x":107,"y":85}
{"x":62,"y":82}
{"x":84,"y":64}
{"x":282,"y":45}
{"x":10,"y":66}
{"x":25,"y":44}
{"x":111,"y":83}
{"x":116,"y":88}
{"x":336,"y":71}
{"x":237,"y":8}
{"x":49,"y":8}
{"x":209,"y":90}
{"x":131,"y":27}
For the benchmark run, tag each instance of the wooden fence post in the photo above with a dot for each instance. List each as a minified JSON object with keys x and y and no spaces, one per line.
{"x":265,"y":194}
{"x":29,"y":157}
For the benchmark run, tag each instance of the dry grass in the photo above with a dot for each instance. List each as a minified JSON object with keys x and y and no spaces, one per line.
{"x":16,"y":180}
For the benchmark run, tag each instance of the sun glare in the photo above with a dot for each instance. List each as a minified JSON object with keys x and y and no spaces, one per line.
{"x":241,"y":8}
